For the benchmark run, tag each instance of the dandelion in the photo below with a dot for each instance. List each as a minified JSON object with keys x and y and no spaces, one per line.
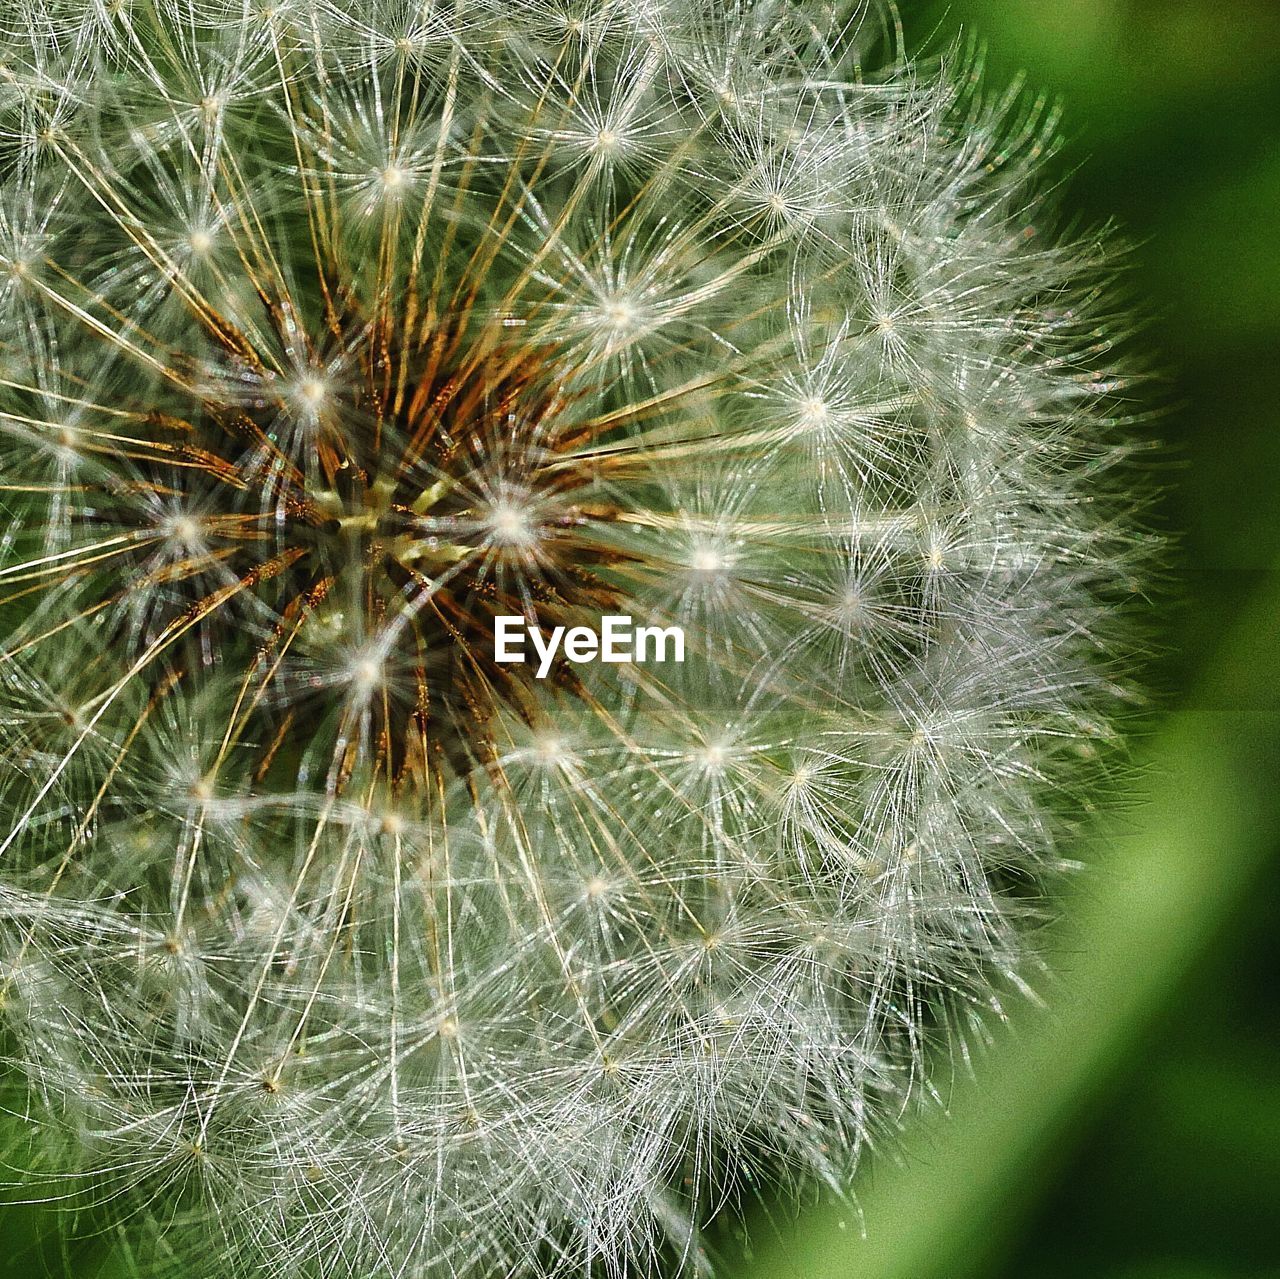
{"x":332,"y":332}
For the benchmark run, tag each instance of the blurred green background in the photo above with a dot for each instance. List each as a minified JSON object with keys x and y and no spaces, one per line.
{"x":1132,"y":1131}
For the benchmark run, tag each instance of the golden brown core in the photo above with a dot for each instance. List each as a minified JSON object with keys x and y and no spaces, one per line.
{"x":414,"y":495}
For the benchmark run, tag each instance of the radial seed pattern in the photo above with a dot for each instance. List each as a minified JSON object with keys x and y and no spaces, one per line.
{"x":331,"y":330}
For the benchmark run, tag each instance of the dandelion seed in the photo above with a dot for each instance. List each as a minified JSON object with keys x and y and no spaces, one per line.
{"x":511,"y":525}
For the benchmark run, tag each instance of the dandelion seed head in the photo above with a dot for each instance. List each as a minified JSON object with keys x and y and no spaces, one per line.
{"x":332,"y":331}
